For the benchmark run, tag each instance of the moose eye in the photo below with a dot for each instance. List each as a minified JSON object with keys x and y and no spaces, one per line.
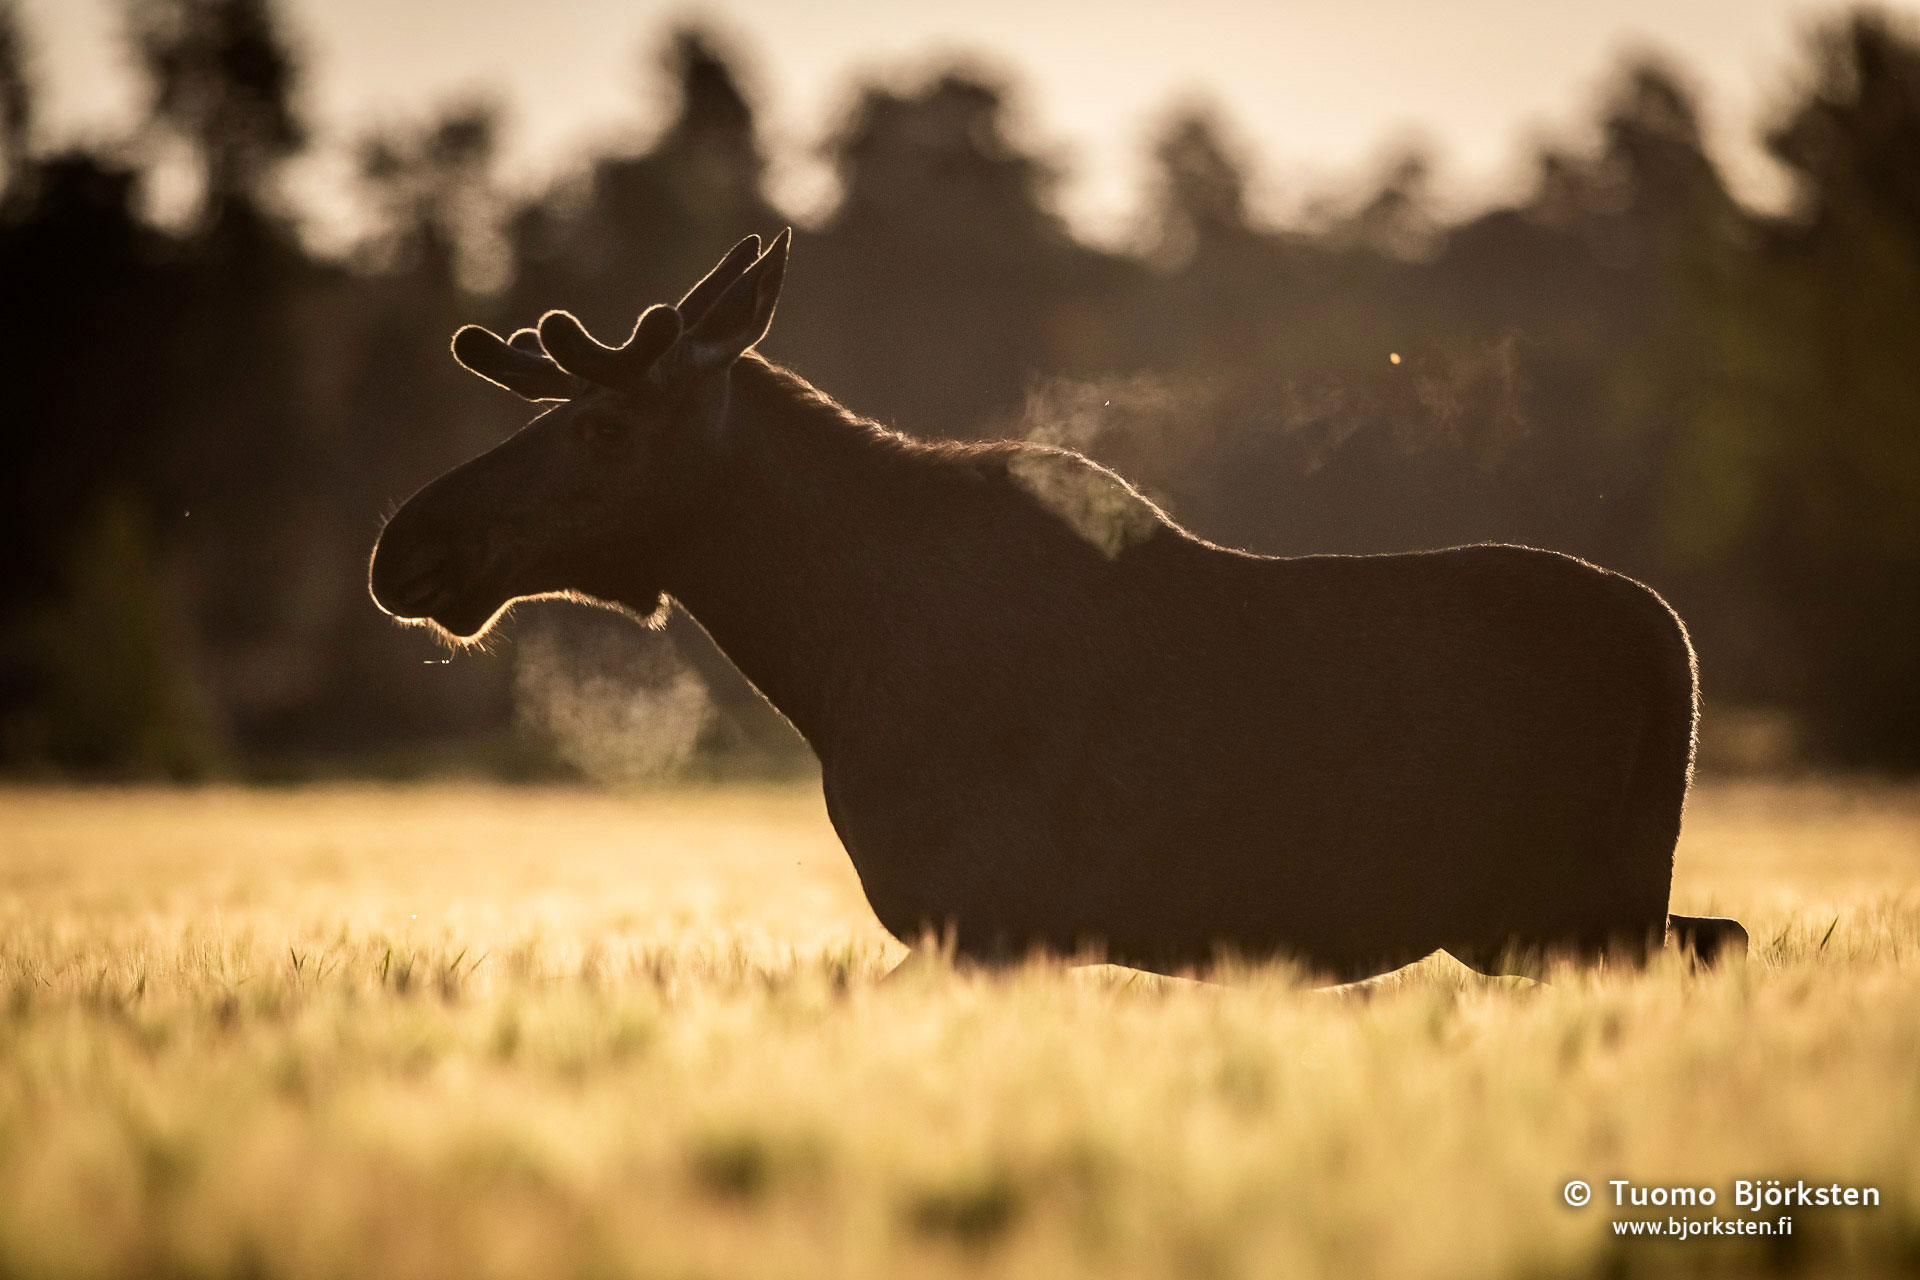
{"x":600,"y":426}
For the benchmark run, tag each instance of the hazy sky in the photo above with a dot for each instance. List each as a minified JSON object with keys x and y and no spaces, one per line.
{"x":1319,"y":88}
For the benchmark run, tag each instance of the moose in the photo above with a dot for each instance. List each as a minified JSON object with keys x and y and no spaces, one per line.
{"x":1048,"y":718}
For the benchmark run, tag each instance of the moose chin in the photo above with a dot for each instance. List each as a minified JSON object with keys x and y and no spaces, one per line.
{"x":1047,"y":717}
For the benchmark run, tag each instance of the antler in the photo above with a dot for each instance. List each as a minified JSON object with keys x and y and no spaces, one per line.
{"x":576,"y":350}
{"x":519,"y":364}
{"x":558,"y":360}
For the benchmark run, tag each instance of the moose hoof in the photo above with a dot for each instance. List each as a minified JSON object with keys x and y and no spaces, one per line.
{"x":1709,"y":939}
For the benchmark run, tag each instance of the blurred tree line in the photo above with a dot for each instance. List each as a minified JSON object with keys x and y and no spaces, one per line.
{"x":206,"y":422}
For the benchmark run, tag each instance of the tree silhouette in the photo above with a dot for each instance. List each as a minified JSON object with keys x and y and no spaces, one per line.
{"x":222,"y":80}
{"x":1831,"y":407}
{"x":16,"y":104}
{"x":1199,"y":191}
{"x":434,"y":193}
{"x":1854,"y":140}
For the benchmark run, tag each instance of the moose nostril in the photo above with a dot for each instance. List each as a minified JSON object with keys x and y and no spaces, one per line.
{"x":403,"y":576}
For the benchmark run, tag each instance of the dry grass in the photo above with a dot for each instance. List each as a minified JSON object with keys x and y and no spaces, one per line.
{"x":471,"y":1032}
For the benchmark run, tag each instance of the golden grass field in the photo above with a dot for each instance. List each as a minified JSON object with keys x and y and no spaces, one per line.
{"x":480,"y":1032}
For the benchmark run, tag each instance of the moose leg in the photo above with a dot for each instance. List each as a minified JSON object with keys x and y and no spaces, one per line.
{"x":1531,"y":957}
{"x":937,"y":952}
{"x":1710,"y":938}
{"x":1506,"y":960}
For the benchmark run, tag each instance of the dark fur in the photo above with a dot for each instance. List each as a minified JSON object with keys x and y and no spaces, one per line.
{"x":1044,"y":728}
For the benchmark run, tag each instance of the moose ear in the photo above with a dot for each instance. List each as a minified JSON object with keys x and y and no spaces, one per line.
{"x":740,"y":316}
{"x":521,"y":369}
{"x":702,"y":296}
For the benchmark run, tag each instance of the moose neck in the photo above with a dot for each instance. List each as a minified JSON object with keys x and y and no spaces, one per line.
{"x":803,"y":572}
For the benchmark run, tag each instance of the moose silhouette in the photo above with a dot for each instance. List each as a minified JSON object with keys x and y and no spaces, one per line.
{"x":1049,"y":718}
